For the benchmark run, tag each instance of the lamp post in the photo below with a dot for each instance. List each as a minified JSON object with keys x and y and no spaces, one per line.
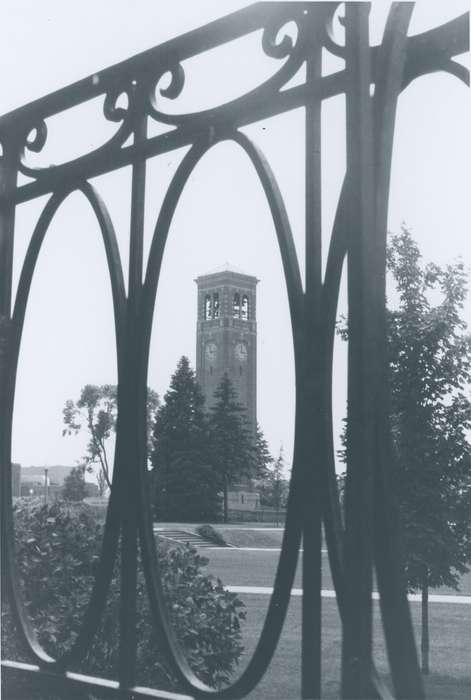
{"x":45,"y":486}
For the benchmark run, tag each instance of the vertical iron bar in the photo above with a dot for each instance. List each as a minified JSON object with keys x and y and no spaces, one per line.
{"x":312,"y":366}
{"x":8,"y":180}
{"x":362,"y":375}
{"x":128,"y":429}
{"x":395,"y":611}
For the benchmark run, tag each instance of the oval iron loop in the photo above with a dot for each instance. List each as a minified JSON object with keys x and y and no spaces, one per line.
{"x":104,"y":571}
{"x":334,"y":529}
{"x":290,"y":547}
{"x":150,"y":561}
{"x":385,"y":106}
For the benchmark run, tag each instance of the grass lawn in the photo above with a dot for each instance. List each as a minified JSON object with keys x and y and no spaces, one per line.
{"x":450,"y":651}
{"x":450,"y":632}
{"x":258,"y":568}
{"x":246,"y":568}
{"x":251,"y":538}
{"x":450,"y":624}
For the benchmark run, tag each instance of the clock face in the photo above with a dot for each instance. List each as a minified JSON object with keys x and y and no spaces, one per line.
{"x":241,"y":352}
{"x":211,"y":351}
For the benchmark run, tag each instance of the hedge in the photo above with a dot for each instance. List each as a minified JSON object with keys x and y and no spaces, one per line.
{"x":58,"y":547}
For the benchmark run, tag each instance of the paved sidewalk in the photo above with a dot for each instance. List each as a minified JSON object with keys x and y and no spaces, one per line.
{"x":413,"y":597}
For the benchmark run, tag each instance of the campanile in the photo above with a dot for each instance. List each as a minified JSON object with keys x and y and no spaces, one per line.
{"x":226,"y":337}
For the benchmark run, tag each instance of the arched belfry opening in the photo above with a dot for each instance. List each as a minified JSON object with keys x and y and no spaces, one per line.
{"x":236,"y":305}
{"x":215,"y":305}
{"x":244,"y":308}
{"x":208,"y":308}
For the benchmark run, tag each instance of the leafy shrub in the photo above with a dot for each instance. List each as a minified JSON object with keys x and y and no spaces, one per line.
{"x":57,"y":550}
{"x":209,"y":533}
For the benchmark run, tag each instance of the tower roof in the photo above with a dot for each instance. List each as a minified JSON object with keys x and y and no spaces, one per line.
{"x":227,"y":267}
{"x":226,"y":270}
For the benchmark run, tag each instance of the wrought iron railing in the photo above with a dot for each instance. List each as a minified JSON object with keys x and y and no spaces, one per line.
{"x":359,"y":233}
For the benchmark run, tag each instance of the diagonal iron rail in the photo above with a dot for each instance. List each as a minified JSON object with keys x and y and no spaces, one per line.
{"x":370,"y":537}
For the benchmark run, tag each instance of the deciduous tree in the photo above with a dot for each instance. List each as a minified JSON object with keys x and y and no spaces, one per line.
{"x":430,"y":378}
{"x":74,"y":488}
{"x":95,"y":412}
{"x":430,"y":361}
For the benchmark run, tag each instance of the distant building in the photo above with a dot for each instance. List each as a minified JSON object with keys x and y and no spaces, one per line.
{"x":55,"y":474}
{"x":226,"y":337}
{"x":226,"y":343}
{"x":33,"y":478}
{"x":36,"y":488}
{"x":243,"y":497}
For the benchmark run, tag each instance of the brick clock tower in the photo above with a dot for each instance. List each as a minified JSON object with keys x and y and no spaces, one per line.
{"x":226,"y":337}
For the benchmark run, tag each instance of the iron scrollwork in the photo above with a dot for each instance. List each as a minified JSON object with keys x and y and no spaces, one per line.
{"x":363,"y":202}
{"x":35,"y":137}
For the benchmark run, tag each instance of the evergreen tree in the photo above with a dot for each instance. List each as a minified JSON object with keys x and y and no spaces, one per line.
{"x":263,"y":458}
{"x":184,"y":481}
{"x":232,"y":449}
{"x":74,"y":488}
{"x":273,"y":488}
{"x":279,"y":482}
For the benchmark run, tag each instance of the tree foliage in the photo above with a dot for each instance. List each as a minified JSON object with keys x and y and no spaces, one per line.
{"x":95,"y":411}
{"x":273,"y":488}
{"x":57,"y":552}
{"x":74,"y":488}
{"x":429,"y":355}
{"x":198,"y":454}
{"x":186,"y":485}
{"x":430,"y":361}
{"x":233,"y":453}
{"x":430,"y":378}
{"x":263,"y":458}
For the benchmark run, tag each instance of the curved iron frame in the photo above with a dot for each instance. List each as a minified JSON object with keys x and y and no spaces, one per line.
{"x":359,"y":236}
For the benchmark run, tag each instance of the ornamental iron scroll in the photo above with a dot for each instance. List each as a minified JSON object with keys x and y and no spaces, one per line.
{"x":370,"y":535}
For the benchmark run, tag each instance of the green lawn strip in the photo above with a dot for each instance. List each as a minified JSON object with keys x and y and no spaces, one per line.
{"x":282,"y":680}
{"x":246,"y":568}
{"x":251,"y":538}
{"x":251,"y":524}
{"x":450,"y":650}
{"x":239,"y":536}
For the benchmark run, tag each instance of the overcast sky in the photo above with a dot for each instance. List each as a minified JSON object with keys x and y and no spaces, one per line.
{"x":222,"y":216}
